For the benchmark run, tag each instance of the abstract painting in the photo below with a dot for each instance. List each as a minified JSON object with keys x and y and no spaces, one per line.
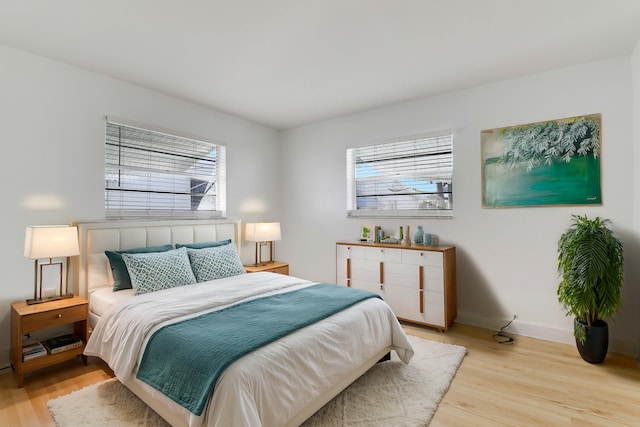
{"x":545,"y":163}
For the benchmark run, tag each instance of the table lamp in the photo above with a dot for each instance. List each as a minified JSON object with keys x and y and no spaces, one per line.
{"x":263,"y":233}
{"x":51,"y":241}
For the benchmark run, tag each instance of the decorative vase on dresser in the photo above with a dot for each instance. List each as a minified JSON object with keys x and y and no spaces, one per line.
{"x":407,"y":237}
{"x":417,"y":236}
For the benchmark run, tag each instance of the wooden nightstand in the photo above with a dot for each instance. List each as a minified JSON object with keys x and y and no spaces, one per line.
{"x":273,"y":267}
{"x":27,"y":319}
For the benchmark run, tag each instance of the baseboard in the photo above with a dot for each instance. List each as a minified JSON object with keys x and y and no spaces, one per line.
{"x":5,"y":358}
{"x":519,"y":327}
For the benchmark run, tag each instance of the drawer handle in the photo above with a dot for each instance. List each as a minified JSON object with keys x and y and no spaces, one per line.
{"x":421,"y":281}
{"x":59,"y":316}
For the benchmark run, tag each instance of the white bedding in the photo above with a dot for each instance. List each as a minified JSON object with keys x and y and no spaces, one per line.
{"x":104,"y":298}
{"x":269,"y":386}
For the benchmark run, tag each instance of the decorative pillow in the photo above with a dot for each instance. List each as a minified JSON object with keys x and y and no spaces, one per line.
{"x":155,"y":271}
{"x":121,"y":278}
{"x":215,"y":262}
{"x":98,"y":272}
{"x":201,"y":245}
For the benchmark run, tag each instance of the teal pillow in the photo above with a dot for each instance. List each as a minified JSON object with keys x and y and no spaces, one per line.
{"x":201,"y":245}
{"x":155,"y":271}
{"x":215,"y":262}
{"x":121,"y":278}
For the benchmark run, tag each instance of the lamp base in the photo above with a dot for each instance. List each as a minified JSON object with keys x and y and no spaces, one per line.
{"x":262,"y":263}
{"x":54,"y":298}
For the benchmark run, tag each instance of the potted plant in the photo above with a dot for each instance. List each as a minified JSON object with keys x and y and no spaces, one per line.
{"x":590,"y":262}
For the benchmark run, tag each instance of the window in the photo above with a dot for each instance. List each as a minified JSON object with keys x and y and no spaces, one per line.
{"x":408,"y":177}
{"x":151,"y":173}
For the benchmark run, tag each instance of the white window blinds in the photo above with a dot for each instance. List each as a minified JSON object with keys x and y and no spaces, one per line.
{"x":409,"y":177}
{"x":150,"y":173}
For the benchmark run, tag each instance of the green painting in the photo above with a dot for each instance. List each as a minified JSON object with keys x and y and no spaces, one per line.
{"x":546,"y":163}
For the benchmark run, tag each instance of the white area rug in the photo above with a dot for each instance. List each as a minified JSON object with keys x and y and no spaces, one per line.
{"x":389,"y":394}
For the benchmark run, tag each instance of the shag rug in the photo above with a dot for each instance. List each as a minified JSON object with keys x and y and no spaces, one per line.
{"x":389,"y":394}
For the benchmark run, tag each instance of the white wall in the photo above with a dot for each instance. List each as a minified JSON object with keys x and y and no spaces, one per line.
{"x":506,"y":258}
{"x":635,"y":79}
{"x":52,"y":127}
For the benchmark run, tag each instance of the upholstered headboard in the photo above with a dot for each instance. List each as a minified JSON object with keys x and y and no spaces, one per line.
{"x":96,"y":237}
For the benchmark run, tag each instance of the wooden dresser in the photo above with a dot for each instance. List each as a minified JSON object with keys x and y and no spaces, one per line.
{"x":418,"y":282}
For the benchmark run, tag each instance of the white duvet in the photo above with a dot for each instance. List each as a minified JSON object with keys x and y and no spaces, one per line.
{"x":267,"y":387}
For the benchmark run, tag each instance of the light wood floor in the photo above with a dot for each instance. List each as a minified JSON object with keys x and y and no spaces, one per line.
{"x":528,"y":383}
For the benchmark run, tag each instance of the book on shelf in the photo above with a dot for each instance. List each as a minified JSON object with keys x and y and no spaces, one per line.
{"x":63,"y":343}
{"x":32,"y":351}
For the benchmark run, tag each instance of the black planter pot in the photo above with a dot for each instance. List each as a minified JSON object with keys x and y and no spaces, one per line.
{"x":595,"y":346}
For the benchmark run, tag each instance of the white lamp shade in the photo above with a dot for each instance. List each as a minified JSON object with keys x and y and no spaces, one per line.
{"x":262,"y":231}
{"x":51,"y":241}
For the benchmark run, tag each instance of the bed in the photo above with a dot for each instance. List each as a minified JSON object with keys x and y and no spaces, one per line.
{"x":281,"y":383}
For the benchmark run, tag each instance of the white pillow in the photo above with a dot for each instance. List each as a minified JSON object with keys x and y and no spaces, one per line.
{"x":98,"y":272}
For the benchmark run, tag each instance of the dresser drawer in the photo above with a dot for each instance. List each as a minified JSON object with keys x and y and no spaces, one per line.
{"x":350,"y":251}
{"x":55,"y":317}
{"x":281,"y":270}
{"x":417,"y":257}
{"x":383,"y":254}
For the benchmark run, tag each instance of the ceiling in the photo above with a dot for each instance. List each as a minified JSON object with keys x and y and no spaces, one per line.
{"x":286,"y":63}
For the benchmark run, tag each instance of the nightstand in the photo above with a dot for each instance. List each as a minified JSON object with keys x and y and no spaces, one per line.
{"x":26,"y":319}
{"x":273,"y":267}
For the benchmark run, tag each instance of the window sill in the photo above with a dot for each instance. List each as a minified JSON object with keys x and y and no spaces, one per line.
{"x":435,"y":214}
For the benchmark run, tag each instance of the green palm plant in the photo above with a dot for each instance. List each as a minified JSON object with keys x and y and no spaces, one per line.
{"x":590,"y":261}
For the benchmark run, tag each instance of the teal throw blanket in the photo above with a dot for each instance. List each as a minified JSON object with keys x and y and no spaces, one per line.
{"x":184,"y":360}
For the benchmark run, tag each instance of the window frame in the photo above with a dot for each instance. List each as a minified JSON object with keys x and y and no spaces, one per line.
{"x":218,"y":177}
{"x":353,"y":212}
